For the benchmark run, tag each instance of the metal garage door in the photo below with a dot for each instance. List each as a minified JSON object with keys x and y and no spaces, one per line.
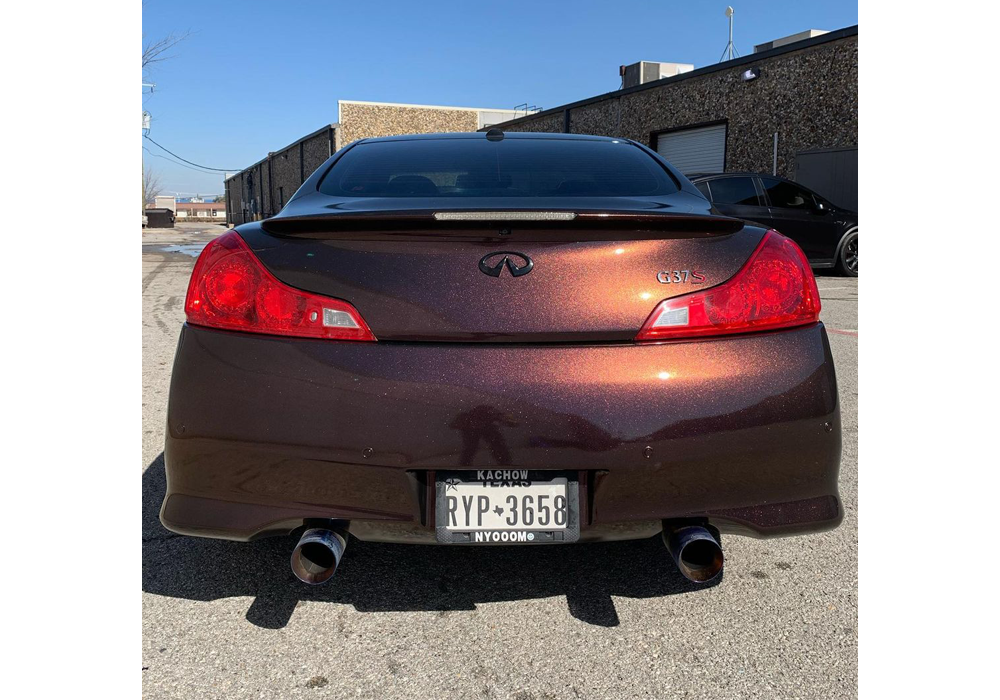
{"x":700,"y":150}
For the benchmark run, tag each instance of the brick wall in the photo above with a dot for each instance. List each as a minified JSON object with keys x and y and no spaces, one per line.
{"x":360,"y":120}
{"x":261,"y":190}
{"x":275,"y":179}
{"x":809,"y":96}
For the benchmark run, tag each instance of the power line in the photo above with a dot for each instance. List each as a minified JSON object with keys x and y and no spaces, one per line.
{"x":176,"y":162}
{"x":201,"y":194}
{"x":221,"y":170}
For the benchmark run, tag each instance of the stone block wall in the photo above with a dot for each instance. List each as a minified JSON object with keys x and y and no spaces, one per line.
{"x":808,"y":96}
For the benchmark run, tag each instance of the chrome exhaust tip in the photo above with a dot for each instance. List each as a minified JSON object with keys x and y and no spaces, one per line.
{"x":317,"y":555}
{"x":695,"y":550}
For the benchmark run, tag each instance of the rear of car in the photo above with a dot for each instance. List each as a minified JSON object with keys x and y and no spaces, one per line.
{"x":490,"y":339}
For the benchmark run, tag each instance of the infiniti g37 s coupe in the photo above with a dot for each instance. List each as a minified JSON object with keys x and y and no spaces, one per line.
{"x":501,"y":338}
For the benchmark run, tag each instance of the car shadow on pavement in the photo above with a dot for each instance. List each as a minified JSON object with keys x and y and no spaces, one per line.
{"x":376,"y":577}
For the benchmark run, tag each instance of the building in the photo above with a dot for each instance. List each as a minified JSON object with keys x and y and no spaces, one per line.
{"x":790,"y":109}
{"x":163,"y":201}
{"x":362,"y":120}
{"x":201,"y":211}
{"x":262,"y":189}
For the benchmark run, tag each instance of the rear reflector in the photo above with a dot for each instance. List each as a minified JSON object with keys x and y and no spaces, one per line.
{"x":231,"y":289}
{"x":775,"y":289}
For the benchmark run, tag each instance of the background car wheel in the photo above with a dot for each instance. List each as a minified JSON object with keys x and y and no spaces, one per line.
{"x":848,"y":262}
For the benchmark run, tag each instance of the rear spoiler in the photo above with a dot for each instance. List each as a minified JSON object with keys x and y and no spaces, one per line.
{"x":480,"y":223}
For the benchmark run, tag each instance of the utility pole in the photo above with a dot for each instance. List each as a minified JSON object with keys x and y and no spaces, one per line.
{"x":146,"y":123}
{"x":727,"y":54}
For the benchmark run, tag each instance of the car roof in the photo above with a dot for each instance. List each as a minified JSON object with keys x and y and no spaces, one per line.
{"x":474,"y":135}
{"x":704,"y":176}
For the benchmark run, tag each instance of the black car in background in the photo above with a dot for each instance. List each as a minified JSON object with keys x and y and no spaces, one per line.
{"x":826,"y":233}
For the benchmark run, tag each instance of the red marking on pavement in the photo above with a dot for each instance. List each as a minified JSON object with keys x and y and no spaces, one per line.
{"x":853,"y":334}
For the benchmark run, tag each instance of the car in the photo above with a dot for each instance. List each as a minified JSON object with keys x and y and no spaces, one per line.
{"x":501,"y":338}
{"x":828,"y":234}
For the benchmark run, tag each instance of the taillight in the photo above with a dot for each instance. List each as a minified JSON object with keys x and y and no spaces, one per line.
{"x":774,"y":289}
{"x":231,"y":289}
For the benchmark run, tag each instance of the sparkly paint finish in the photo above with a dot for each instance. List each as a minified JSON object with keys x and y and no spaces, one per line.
{"x":432,"y":289}
{"x":265,"y":432}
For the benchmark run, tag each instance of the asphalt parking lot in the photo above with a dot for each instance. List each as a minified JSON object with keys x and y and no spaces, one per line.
{"x":591,"y":621}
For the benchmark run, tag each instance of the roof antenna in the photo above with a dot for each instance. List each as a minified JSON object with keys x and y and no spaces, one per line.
{"x":494,"y":135}
{"x":730,"y":47}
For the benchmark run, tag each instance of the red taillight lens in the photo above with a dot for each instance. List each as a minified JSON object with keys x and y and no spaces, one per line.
{"x":231,"y":289}
{"x":775,"y":289}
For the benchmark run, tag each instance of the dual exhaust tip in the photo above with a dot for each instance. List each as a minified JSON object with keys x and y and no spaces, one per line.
{"x":695,"y":550}
{"x":317,"y":555}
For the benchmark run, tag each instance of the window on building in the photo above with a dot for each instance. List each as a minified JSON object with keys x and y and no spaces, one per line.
{"x":734,"y":190}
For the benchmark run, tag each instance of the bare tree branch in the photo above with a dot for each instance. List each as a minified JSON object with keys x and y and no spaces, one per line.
{"x":150,"y":184}
{"x":156,"y":51}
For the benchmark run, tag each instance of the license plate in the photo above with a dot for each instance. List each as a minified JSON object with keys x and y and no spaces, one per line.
{"x":507,"y":506}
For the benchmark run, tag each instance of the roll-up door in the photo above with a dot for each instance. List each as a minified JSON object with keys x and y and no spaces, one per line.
{"x":698,"y":150}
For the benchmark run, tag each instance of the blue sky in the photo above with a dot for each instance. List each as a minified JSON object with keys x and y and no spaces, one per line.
{"x":254,"y":76}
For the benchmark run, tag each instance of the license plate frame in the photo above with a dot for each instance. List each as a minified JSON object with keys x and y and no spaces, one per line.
{"x":521,"y":535}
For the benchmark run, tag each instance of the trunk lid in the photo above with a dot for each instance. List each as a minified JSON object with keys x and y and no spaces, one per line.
{"x":416,"y":276}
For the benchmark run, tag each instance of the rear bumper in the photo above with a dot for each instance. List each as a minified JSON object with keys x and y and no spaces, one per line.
{"x":267,"y":433}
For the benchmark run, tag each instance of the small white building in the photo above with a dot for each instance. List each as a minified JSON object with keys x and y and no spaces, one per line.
{"x":212,"y":211}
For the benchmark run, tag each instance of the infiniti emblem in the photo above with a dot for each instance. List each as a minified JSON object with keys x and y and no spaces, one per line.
{"x":517,"y":263}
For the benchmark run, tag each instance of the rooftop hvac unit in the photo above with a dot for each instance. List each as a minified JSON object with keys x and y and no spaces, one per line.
{"x":801,"y":36}
{"x":648,"y":71}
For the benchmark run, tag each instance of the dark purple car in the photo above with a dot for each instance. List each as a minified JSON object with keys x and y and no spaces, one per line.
{"x":493,"y":339}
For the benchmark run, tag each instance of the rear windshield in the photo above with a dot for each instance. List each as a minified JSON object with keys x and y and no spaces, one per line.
{"x":508,"y":168}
